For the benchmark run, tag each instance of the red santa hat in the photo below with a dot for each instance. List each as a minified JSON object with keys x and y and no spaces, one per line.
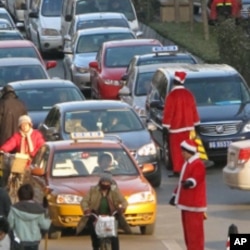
{"x":180,"y":76}
{"x":189,"y":145}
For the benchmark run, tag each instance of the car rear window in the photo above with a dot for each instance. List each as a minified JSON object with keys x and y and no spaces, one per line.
{"x":91,"y":43}
{"x":18,"y":52}
{"x":116,"y":57}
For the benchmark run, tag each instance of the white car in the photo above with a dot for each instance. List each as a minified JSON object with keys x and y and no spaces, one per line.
{"x":4,"y":14}
{"x":44,"y":25}
{"x":236,"y":173}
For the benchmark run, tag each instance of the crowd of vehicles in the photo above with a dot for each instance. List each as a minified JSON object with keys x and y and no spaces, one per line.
{"x":105,"y":58}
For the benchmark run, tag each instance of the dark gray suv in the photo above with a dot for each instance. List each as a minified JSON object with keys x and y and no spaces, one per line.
{"x":223,"y":101}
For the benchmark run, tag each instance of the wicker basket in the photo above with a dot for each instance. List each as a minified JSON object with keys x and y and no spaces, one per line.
{"x":19,"y":163}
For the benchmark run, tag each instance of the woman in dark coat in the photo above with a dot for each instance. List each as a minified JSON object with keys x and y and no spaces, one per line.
{"x":11,"y":108}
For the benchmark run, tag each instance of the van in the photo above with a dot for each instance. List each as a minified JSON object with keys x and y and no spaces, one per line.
{"x":16,"y":8}
{"x":75,"y":7}
{"x":44,"y":24}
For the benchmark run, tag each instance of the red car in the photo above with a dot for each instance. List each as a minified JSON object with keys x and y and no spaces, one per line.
{"x":111,"y":63}
{"x":23,"y":48}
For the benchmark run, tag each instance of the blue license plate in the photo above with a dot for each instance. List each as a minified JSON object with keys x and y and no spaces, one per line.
{"x":219,"y":144}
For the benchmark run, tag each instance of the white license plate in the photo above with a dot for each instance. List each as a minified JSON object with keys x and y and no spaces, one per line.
{"x":219,"y":144}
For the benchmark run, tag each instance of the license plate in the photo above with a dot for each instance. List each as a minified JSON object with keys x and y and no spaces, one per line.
{"x":219,"y":144}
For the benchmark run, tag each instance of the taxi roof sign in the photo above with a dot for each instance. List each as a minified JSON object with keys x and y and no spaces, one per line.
{"x":170,"y":48}
{"x":87,"y":135}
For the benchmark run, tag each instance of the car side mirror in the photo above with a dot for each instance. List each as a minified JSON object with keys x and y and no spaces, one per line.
{"x":148,"y":167}
{"x":38,"y":171}
{"x":124,"y":91}
{"x":33,"y":14}
{"x":52,"y":133}
{"x":157,"y":104}
{"x":124,"y":77}
{"x":94,"y":65}
{"x":68,"y":18}
{"x":139,"y":34}
{"x":151,"y":126}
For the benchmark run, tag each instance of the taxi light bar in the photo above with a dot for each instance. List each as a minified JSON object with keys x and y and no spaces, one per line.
{"x":171,"y":48}
{"x":87,"y":135}
{"x":244,"y":154}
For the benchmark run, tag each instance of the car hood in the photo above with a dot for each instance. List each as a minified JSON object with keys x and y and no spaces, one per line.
{"x":81,"y":185}
{"x":37,"y":117}
{"x":84,"y":59}
{"x":51,"y":23}
{"x":134,"y":139}
{"x":224,"y":112}
{"x":114,"y":73}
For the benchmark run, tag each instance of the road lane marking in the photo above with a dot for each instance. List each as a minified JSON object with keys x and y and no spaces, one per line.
{"x":171,"y":245}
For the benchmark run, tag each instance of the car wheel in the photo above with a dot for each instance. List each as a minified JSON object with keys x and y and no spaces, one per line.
{"x":156,"y":182}
{"x":54,"y":232}
{"x":148,"y":229}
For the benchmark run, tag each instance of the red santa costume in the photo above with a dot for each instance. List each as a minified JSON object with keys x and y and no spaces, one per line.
{"x":190,"y":197}
{"x":180,"y":115}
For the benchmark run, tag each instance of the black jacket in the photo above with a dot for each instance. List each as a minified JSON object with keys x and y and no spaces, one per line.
{"x":11,"y":108}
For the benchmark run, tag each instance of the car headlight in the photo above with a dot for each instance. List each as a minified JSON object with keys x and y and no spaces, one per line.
{"x":68,"y":199}
{"x":141,"y":197}
{"x":148,"y":149}
{"x":50,"y":32}
{"x":81,"y":70}
{"x":246,"y":128}
{"x":112,"y":82}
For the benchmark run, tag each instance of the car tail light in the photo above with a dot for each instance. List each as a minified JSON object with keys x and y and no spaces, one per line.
{"x":244,"y":155}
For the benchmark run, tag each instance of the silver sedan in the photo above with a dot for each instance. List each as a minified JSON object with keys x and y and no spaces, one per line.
{"x":83,"y":48}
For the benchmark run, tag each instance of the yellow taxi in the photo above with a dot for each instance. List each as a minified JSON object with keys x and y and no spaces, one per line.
{"x":63,"y":171}
{"x":236,"y":173}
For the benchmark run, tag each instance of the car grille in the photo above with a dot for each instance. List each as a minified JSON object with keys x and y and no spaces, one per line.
{"x":220,"y":129}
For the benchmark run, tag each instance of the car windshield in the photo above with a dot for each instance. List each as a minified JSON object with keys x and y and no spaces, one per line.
{"x":44,"y":98}
{"x":88,"y":162}
{"x":18,"y":52}
{"x":115,"y":22}
{"x":88,"y":6}
{"x":116,"y":57}
{"x":143,"y":82}
{"x":17,"y":73}
{"x":109,"y":120}
{"x":91,"y":43}
{"x":165,"y":59}
{"x":52,"y":8}
{"x":218,"y":90}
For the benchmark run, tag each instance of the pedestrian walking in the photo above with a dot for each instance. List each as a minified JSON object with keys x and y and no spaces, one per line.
{"x":5,"y":202}
{"x":190,"y":196}
{"x":11,"y":108}
{"x":27,"y":218}
{"x":180,"y":116}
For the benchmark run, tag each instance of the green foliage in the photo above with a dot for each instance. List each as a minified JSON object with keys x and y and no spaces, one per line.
{"x":194,"y":41}
{"x":234,"y":46}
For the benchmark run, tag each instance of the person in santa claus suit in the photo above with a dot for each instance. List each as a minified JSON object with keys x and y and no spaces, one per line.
{"x":190,"y":196}
{"x":180,"y":116}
